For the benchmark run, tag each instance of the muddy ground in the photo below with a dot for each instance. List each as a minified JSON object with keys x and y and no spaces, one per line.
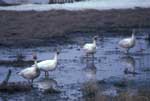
{"x":79,"y":78}
{"x":31,"y":28}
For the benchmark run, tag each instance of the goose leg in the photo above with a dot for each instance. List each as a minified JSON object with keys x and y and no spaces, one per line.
{"x":93,"y":56}
{"x":86,"y":55}
{"x":87,"y":60}
{"x":32,"y":80}
{"x":45,"y":74}
{"x":29,"y":81}
{"x":127,"y":50}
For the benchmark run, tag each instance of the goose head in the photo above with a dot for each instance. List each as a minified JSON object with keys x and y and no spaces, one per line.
{"x":34,"y":56}
{"x":95,"y":38}
{"x":57,"y":52}
{"x":35,"y":60}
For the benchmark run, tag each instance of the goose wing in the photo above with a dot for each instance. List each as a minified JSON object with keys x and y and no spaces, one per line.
{"x":46,"y":63}
{"x":26,"y":71}
{"x":88,"y":46}
{"x":125,"y":42}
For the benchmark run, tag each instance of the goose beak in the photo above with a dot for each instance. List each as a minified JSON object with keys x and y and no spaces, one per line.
{"x":34,"y":56}
{"x":95,"y":37}
{"x":58,"y":52}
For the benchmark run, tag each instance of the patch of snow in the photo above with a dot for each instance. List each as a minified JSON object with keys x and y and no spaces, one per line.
{"x":93,"y":4}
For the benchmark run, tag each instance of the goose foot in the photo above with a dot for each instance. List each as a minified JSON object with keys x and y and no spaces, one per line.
{"x":32,"y":80}
{"x":47,"y":74}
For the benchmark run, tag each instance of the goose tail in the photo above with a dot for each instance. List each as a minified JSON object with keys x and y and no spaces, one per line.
{"x":19,"y":73}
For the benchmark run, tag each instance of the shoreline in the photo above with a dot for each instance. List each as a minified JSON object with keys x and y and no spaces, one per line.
{"x":76,"y":6}
{"x":31,"y":28}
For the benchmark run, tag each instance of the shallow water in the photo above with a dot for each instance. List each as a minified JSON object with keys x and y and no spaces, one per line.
{"x":76,"y":76}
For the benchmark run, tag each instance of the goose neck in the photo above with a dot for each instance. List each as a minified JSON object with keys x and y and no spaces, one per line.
{"x":35,"y":63}
{"x":133,"y":36}
{"x":56,"y":56}
{"x":94,"y":42}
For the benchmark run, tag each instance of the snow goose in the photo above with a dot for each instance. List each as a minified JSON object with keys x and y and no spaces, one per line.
{"x":90,"y":48}
{"x":48,"y":65}
{"x":128,"y":42}
{"x":30,"y":73}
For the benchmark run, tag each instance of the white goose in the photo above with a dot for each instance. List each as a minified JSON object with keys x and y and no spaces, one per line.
{"x":90,"y":48}
{"x":48,"y":65}
{"x":30,"y":73}
{"x":128,"y":42}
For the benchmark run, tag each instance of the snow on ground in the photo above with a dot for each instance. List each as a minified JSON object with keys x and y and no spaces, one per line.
{"x":93,"y":4}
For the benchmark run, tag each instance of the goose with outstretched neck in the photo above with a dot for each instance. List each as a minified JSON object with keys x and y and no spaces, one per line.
{"x":48,"y":65}
{"x":128,"y":43}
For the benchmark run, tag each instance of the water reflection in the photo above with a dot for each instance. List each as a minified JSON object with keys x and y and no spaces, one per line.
{"x":3,"y":98}
{"x":129,"y":63}
{"x":90,"y":86}
{"x":147,"y":44}
{"x":90,"y":70}
{"x":75,"y":75}
{"x":47,"y":85}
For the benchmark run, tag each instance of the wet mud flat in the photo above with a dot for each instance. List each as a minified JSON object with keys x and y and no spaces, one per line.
{"x":31,"y":28}
{"x":80,"y":79}
{"x":75,"y":78}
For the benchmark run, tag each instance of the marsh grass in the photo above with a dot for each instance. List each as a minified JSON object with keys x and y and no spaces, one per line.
{"x":38,"y":28}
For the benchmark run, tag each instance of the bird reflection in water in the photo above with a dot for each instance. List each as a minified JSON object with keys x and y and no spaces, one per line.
{"x":129,"y":63}
{"x":90,"y":71}
{"x":48,"y":85}
{"x":90,"y":86}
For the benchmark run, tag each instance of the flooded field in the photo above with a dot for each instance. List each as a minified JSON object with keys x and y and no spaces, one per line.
{"x":80,"y":78}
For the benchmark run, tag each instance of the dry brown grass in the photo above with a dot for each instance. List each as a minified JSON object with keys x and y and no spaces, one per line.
{"x":35,"y":27}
